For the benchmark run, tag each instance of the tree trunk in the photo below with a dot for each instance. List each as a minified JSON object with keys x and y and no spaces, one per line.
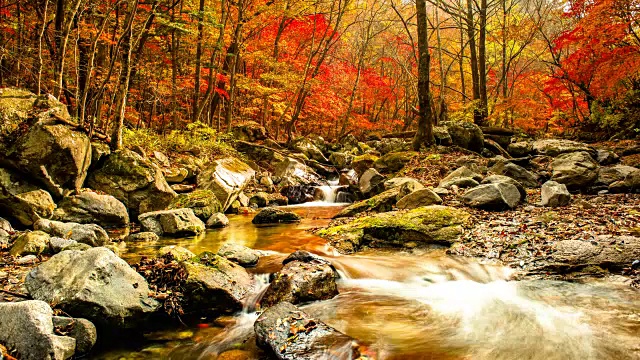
{"x":482,"y":66}
{"x":424,"y":135}
{"x":196,"y":90}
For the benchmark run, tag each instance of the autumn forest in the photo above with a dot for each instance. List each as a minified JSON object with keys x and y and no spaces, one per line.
{"x":329,"y":67}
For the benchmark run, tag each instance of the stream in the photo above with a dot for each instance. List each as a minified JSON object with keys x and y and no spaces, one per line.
{"x":419,"y":305}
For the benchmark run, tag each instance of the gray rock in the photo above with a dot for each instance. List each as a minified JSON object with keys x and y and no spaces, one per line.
{"x":460,"y":182}
{"x":398,"y":182}
{"x":555,"y":194}
{"x":144,"y":236}
{"x":418,"y":198}
{"x":361,"y":163}
{"x":305,"y":257}
{"x":577,"y":170}
{"x":27,"y":327}
{"x":92,"y":208}
{"x":442,"y":136}
{"x":609,"y":252}
{"x":608,"y":175}
{"x":82,"y":330}
{"x":177,"y":222}
{"x":275,"y":216}
{"x":497,"y":196}
{"x":204,"y":203}
{"x":606,"y":157}
{"x":22,"y":200}
{"x":295,"y":172}
{"x":300,"y":282}
{"x":217,"y":220}
{"x":239,"y":254}
{"x":380,"y":203}
{"x":90,"y":234}
{"x":30,"y":243}
{"x":57,"y":244}
{"x":340,"y":159}
{"x":314,"y":340}
{"x":175,"y":175}
{"x":394,"y":161}
{"x":631,"y":184}
{"x":310,"y":150}
{"x":215,"y":286}
{"x":494,"y":179}
{"x":520,"y":149}
{"x":226,"y":178}
{"x":94,"y":284}
{"x":441,"y":191}
{"x":462,"y":172}
{"x":466,"y":135}
{"x":516,"y":172}
{"x":371,"y":182}
{"x":555,"y":147}
{"x":28,"y":259}
{"x":134,"y":180}
{"x":177,"y":252}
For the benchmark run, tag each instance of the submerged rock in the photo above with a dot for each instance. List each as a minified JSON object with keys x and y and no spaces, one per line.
{"x":27,"y":328}
{"x":94,"y":284}
{"x":178,"y":222}
{"x":275,"y":216}
{"x":291,"y":334}
{"x":134,"y":180}
{"x":90,"y":234}
{"x":239,"y":254}
{"x":424,"y":226}
{"x":91,"y":208}
{"x":555,"y":194}
{"x":144,"y":236}
{"x":298,"y":282}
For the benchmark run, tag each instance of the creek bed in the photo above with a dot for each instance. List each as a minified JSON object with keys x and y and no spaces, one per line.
{"x":419,"y":305}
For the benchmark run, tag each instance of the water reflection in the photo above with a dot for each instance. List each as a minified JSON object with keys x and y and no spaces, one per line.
{"x":422,"y":305}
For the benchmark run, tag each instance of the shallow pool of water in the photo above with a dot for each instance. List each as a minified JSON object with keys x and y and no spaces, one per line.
{"x":419,"y":305}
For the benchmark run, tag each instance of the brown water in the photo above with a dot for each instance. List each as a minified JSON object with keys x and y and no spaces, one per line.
{"x":421,"y":305}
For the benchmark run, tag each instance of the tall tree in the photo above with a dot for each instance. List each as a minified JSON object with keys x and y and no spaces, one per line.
{"x":424,"y":135}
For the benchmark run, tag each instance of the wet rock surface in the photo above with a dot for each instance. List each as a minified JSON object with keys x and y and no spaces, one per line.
{"x":90,"y":234}
{"x":290,"y":334}
{"x":239,"y":254}
{"x":178,"y":222}
{"x":89,"y":207}
{"x":275,"y":216}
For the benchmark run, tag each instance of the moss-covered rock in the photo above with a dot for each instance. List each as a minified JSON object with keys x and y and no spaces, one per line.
{"x":275,"y":216}
{"x":31,"y":243}
{"x":204,"y":203}
{"x":429,"y":225}
{"x":363,"y":162}
{"x":394,"y":162}
{"x":379,"y":203}
{"x":177,"y":222}
{"x":22,"y":200}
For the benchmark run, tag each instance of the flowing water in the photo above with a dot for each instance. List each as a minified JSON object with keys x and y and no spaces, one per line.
{"x":419,"y":305}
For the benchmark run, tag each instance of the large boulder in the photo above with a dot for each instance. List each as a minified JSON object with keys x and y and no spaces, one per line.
{"x":340,"y":160}
{"x":216,"y":221}
{"x":520,"y":149}
{"x":496,"y":196}
{"x":55,"y":155}
{"x":30,"y":243}
{"x":631,"y":183}
{"x":301,"y":281}
{"x":176,"y":222}
{"x":466,"y":135}
{"x":395,"y":161}
{"x":90,"y":234}
{"x":419,"y":198}
{"x":89,"y":207}
{"x":493,"y":179}
{"x":425,"y":226}
{"x":555,"y":147}
{"x":226,"y":178}
{"x":215,"y":285}
{"x":291,"y":334}
{"x":134,"y":180}
{"x":577,"y":170}
{"x":296,"y":172}
{"x":461,"y":172}
{"x":516,"y":172}
{"x":555,"y":194}
{"x":239,"y":254}
{"x":21,"y":200}
{"x":27,"y":327}
{"x":380,"y":203}
{"x":94,"y":284}
{"x":204,"y":203}
{"x":608,"y":175}
{"x":275,"y":216}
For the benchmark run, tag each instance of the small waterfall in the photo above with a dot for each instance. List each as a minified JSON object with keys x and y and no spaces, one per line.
{"x":333,"y":193}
